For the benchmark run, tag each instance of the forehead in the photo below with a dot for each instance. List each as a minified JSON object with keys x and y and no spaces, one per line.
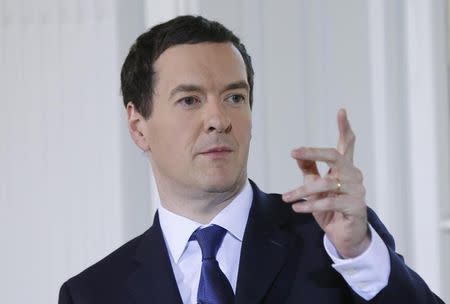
{"x":210,"y":64}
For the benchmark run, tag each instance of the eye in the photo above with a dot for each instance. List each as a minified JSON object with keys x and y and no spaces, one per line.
{"x":189,"y":101}
{"x":236,"y":99}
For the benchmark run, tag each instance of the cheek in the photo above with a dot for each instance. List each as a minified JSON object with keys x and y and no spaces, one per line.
{"x":244,"y":131}
{"x":246,"y":124}
{"x":175,"y":139}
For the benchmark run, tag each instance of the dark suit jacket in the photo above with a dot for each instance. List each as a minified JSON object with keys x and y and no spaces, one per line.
{"x":282,"y":261}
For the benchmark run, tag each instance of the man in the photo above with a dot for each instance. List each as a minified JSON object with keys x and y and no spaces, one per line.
{"x":187,"y":87}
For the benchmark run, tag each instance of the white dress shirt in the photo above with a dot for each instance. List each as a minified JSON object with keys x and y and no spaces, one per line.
{"x":366,"y":274}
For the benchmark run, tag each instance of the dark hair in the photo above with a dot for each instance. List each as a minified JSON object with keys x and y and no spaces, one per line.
{"x":137,"y":75}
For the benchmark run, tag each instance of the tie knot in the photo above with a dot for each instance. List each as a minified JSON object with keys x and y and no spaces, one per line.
{"x":209,"y":240}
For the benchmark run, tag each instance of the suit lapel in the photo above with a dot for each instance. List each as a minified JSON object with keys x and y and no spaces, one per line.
{"x":153,"y":280}
{"x":264,"y":249}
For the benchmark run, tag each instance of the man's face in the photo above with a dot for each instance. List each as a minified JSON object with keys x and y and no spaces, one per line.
{"x":199,"y":131}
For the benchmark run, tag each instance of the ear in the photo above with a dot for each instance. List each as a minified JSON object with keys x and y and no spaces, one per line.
{"x":136,"y":127}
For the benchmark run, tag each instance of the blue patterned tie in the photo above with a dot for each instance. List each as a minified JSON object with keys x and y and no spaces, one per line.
{"x":214,"y":287}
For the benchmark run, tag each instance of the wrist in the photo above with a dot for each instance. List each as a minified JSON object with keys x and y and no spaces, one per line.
{"x":358,"y":250}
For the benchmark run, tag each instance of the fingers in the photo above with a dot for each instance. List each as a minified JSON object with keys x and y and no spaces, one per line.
{"x":308,"y":167}
{"x":307,"y":157}
{"x":331,"y":156}
{"x":309,"y":170}
{"x":325,"y":185}
{"x":346,"y":204}
{"x":346,"y":141}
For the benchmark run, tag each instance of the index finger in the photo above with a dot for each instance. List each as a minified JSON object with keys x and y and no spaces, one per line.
{"x":346,"y":141}
{"x":331,"y":156}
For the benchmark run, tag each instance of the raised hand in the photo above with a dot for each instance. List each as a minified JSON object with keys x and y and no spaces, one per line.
{"x":336,"y":200}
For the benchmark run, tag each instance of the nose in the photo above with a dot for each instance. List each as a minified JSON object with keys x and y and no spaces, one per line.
{"x":216,"y":117}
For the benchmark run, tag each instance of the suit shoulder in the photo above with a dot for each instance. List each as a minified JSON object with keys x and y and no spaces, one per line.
{"x":112,"y":268}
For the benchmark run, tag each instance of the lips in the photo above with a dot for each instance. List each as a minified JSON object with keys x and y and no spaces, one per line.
{"x":217,"y":152}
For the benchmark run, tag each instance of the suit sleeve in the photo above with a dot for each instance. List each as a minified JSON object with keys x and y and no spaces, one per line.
{"x":404,"y":285}
{"x":64,"y":295}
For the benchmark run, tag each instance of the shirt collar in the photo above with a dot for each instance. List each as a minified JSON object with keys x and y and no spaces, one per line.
{"x":178,"y":229}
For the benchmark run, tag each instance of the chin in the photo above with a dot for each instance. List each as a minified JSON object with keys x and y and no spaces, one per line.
{"x":222,"y":184}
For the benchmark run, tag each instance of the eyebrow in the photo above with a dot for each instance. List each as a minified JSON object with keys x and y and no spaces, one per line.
{"x":236,"y":85}
{"x":241,"y":84}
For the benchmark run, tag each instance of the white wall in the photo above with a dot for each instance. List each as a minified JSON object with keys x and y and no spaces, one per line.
{"x":73,"y":186}
{"x":427,"y":99}
{"x":61,"y":120}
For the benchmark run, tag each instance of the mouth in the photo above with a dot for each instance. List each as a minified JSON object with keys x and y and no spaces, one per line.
{"x":217,"y":152}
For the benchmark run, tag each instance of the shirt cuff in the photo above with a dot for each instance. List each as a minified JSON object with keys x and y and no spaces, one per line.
{"x":368,"y":273}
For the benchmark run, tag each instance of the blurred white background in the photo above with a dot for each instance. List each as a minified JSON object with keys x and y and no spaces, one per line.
{"x":73,"y":187}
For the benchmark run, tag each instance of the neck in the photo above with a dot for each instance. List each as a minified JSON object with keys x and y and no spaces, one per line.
{"x":201,"y":207}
